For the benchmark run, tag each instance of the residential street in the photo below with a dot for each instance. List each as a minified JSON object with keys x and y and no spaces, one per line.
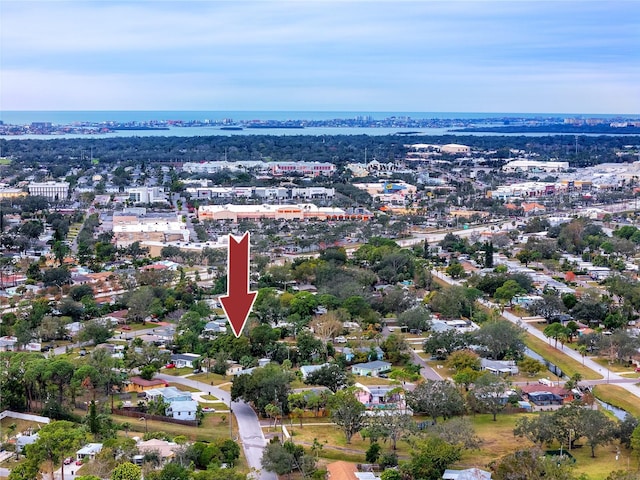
{"x":251,"y":436}
{"x":607,"y":375}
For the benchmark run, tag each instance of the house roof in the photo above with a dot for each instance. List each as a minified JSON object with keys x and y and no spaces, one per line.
{"x":162,"y":446}
{"x":184,"y":406}
{"x":147,"y":383}
{"x":184,"y":356}
{"x":468,"y":474}
{"x":90,"y":449}
{"x":376,"y":364}
{"x":342,"y":470}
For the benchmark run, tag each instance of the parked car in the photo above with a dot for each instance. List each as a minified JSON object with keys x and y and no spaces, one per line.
{"x":82,"y":352}
{"x":170,"y":365}
{"x":68,"y":460}
{"x":208,"y":409}
{"x":340,"y":339}
{"x":78,"y":462}
{"x":125,"y":327}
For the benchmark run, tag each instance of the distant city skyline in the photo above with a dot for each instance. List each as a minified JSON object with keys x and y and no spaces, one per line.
{"x":413,"y":56}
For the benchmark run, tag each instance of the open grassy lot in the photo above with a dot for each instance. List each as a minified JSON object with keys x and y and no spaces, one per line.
{"x":212,"y":427}
{"x":566,"y":364}
{"x":176,"y":372}
{"x":618,"y":397}
{"x":372,"y":381}
{"x":622,"y":369}
{"x":210,"y":378}
{"x":184,"y":388}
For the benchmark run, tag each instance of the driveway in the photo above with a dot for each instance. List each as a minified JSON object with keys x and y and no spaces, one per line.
{"x":250,"y":431}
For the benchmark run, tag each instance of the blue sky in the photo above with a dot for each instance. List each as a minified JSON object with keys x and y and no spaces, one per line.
{"x":550,"y":56}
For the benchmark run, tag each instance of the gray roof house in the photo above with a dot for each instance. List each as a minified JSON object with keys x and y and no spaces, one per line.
{"x":468,"y":474}
{"x":184,"y":360}
{"x":308,"y":369}
{"x":370,"y":369}
{"x":168,"y":394}
{"x":182,"y":410}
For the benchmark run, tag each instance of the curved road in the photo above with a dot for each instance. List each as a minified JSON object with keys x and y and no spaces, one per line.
{"x":250,"y":431}
{"x":608,"y":376}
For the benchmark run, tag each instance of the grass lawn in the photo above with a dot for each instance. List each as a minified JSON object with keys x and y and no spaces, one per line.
{"x":368,"y":381}
{"x":217,"y":405}
{"x":616,"y":367}
{"x":212,"y":427}
{"x":210,"y":378}
{"x":184,"y":388}
{"x":209,"y":398}
{"x":176,"y":372}
{"x":566,"y":364}
{"x":618,"y":397}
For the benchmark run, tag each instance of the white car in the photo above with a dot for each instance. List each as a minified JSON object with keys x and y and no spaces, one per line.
{"x":340,"y":339}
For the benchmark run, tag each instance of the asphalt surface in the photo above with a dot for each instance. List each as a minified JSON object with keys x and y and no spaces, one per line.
{"x":250,"y":432}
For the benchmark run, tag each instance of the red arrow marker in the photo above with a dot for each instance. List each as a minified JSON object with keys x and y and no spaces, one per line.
{"x":238,"y":301}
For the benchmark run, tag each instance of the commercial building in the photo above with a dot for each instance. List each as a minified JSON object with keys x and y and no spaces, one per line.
{"x":54,"y":191}
{"x":130,"y":228}
{"x":309,"y":169}
{"x":517,"y":166}
{"x":12,"y":193}
{"x":146,"y":194}
{"x":280,"y":212}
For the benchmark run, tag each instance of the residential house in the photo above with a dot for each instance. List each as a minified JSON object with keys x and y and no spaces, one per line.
{"x":184,"y":360}
{"x":168,"y":394}
{"x":382,"y":398}
{"x":547,"y":394}
{"x":370,"y":369}
{"x":468,"y":474}
{"x":89,"y":451}
{"x":182,"y":410}
{"x":306,"y":370}
{"x":118,"y":317}
{"x":165,"y":449}
{"x":8,"y":344}
{"x":233,"y":369}
{"x":24,"y":440}
{"x":499,"y":367}
{"x":215,"y":327}
{"x":373,"y":353}
{"x":139,"y":384}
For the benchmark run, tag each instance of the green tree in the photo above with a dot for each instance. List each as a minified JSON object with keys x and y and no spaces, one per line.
{"x":269,"y":384}
{"x":555,"y":331}
{"x":530,"y":366}
{"x":347,"y":412}
{"x":508,"y":290}
{"x":490,"y":393}
{"x":597,"y":428}
{"x":331,"y":376}
{"x":455,"y":270}
{"x":430,"y":458}
{"x":501,"y":339}
{"x":436,"y":398}
{"x":126,"y":471}
{"x":55,"y":441}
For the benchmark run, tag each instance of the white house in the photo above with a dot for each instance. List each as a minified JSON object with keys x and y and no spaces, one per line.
{"x":89,"y":451}
{"x":371,"y":369}
{"x":182,"y":410}
{"x":184,"y":360}
{"x":306,"y":370}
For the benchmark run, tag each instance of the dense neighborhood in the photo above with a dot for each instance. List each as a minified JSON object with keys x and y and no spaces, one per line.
{"x":426,"y":308}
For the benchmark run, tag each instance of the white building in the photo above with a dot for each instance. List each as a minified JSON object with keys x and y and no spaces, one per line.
{"x":146,"y":194}
{"x":54,"y":191}
{"x":535,"y":166}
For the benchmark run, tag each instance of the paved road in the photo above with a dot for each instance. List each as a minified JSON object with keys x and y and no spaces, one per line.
{"x":607,"y":375}
{"x":251,"y":435}
{"x":427,"y":372}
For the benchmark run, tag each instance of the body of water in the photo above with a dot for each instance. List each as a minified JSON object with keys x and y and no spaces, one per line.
{"x":69,"y":117}
{"x":228,"y":117}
